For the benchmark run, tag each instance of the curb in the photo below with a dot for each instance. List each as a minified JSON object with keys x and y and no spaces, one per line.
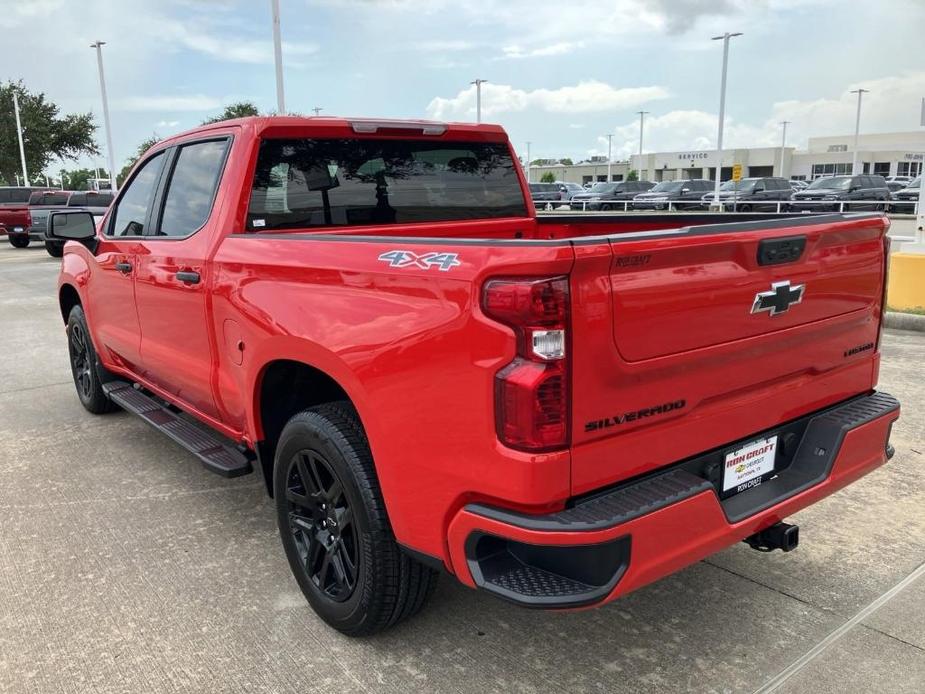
{"x":904,"y":321}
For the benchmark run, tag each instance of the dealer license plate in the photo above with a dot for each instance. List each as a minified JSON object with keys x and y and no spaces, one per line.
{"x":748,"y":465}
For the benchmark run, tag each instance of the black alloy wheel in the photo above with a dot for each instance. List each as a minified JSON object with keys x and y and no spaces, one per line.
{"x":81,"y":361}
{"x":322,"y":525}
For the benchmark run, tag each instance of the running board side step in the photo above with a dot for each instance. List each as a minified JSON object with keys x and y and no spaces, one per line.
{"x":216,"y":456}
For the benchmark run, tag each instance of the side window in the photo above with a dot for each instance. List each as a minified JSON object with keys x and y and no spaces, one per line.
{"x":191,"y":189}
{"x":132,"y":210}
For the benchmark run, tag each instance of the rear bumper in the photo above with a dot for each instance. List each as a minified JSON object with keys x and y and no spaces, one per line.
{"x":605,"y":546}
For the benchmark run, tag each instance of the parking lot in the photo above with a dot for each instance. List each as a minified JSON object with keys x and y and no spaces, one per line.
{"x":125,"y":566}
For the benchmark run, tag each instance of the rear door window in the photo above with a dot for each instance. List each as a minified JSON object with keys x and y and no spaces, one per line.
{"x":347,"y":182}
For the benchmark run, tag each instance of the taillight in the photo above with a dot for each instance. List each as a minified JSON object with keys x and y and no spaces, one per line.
{"x":886,"y":282}
{"x":532,"y":392}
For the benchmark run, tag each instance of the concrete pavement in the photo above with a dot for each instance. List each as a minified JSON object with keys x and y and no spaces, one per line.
{"x":126,"y":567}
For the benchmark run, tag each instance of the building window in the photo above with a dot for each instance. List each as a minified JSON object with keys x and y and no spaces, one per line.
{"x":881,"y":168}
{"x":837,"y":148}
{"x":798,"y":178}
{"x":866,"y":168}
{"x":602,"y":179}
{"x":909,"y":168}
{"x":616,"y":177}
{"x":587,"y":179}
{"x":821,"y":170}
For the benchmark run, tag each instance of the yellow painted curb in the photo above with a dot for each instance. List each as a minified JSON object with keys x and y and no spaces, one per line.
{"x":906,"y":289}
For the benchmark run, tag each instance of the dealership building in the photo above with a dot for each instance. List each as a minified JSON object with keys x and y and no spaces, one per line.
{"x":886,"y":154}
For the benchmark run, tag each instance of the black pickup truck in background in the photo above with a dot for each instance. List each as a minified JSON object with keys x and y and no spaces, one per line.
{"x":96,"y":203}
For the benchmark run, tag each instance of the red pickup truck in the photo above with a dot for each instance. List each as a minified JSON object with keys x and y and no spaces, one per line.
{"x":15,"y":219}
{"x":429,"y":377}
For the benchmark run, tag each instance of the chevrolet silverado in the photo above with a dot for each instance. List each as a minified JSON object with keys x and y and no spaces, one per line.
{"x":430,"y":377}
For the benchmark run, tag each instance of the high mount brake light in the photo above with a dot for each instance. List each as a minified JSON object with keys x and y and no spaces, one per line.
{"x":532,"y":392}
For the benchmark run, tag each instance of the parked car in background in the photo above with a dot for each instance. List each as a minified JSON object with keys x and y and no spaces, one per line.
{"x":870,"y":192}
{"x":896,"y":185}
{"x":683,"y":194}
{"x":569,"y":190}
{"x":41,"y":203}
{"x":750,"y":194}
{"x":903,"y":201}
{"x":96,"y":203}
{"x":14,"y":214}
{"x":905,"y":180}
{"x":609,"y":196}
{"x":797,"y":184}
{"x":544,"y":194}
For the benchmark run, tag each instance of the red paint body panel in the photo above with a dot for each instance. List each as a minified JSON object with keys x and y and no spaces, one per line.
{"x":418,"y":358}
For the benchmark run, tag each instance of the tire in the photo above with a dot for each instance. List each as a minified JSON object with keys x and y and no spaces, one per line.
{"x":745,"y":208}
{"x":324,"y":478}
{"x":85,"y":366}
{"x":605,"y":208}
{"x":55,"y":250}
{"x":19,"y":241}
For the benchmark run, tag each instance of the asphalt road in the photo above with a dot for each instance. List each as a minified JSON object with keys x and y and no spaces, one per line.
{"x":126,"y":567}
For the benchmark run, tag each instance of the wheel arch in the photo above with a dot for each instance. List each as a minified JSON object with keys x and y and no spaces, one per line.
{"x":68,"y":298}
{"x":284,"y":387}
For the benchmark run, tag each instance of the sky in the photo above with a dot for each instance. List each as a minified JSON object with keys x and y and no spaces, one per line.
{"x":560,"y":74}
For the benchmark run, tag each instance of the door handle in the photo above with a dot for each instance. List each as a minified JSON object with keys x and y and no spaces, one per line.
{"x":124,"y":268}
{"x":188,"y":276}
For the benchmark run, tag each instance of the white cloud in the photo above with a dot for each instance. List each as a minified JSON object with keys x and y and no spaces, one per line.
{"x":233,"y":49}
{"x":167,"y":124}
{"x":196,"y":102}
{"x":585,"y":97}
{"x":439,"y":46}
{"x":560,"y":48}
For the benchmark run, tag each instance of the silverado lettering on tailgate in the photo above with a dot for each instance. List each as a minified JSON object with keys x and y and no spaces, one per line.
{"x":626,"y":417}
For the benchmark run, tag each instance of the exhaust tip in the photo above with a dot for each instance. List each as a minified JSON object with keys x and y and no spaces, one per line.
{"x":782,"y":536}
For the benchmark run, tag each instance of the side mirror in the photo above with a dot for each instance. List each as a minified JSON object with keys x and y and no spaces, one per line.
{"x":685,"y":190}
{"x":71,"y":226}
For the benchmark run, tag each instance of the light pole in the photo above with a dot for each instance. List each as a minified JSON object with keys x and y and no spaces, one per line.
{"x":609,"y":157}
{"x":112,"y":160}
{"x":642,"y":117}
{"x":857,"y":131}
{"x":528,"y":161}
{"x":22,"y":150}
{"x":317,"y":110}
{"x":278,"y":58}
{"x":783,"y":145}
{"x":722,"y":112}
{"x":478,"y":98}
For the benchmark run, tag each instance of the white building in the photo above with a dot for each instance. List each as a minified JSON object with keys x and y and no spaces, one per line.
{"x":886,"y":154}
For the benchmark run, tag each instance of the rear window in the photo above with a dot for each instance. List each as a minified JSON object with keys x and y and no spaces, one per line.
{"x":347,"y":182}
{"x":48,"y":198}
{"x":90,"y":200}
{"x":12,"y":196}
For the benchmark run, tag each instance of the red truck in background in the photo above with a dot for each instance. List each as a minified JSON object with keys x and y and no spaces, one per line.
{"x":15,"y":219}
{"x":557,"y":410}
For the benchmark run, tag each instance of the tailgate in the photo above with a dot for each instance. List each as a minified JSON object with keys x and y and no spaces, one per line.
{"x":686,"y":340}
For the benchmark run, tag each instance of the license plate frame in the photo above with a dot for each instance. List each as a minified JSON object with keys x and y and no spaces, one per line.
{"x":749,"y":464}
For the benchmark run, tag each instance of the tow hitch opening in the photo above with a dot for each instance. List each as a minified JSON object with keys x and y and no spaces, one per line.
{"x":781,"y":536}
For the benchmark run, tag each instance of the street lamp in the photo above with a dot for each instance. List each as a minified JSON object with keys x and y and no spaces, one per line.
{"x":609,"y":157}
{"x":642,"y":116}
{"x":112,"y":160}
{"x":528,"y":161}
{"x":317,"y":110}
{"x":857,"y":131}
{"x":783,"y":145}
{"x":722,"y":112}
{"x":278,"y":58}
{"x":22,"y":150}
{"x":478,"y":98}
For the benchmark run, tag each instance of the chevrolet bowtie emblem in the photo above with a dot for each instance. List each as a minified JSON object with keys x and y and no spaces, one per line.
{"x":781,"y":297}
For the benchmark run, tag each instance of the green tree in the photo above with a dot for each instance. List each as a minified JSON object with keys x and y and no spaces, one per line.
{"x":46,"y":134}
{"x":130,"y":162}
{"x":633,"y":175}
{"x":78,"y":179}
{"x":566,"y":162}
{"x":548,"y":177}
{"x":240,"y":109}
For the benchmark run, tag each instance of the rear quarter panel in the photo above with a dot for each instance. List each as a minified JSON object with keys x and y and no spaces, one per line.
{"x":410,"y":347}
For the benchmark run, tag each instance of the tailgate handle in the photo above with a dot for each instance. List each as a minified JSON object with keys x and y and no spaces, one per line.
{"x":779,"y":251}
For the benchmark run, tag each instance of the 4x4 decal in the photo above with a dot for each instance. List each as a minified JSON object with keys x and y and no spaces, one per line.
{"x":425,"y":261}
